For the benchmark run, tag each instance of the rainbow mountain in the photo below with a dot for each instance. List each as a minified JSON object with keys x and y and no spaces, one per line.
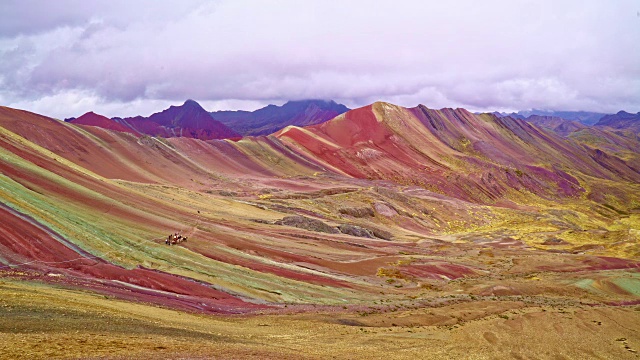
{"x":378,"y":203}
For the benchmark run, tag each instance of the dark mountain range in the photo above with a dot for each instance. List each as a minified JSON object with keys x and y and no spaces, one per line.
{"x":188,"y":120}
{"x":191,"y":120}
{"x":621,"y":121}
{"x":583,"y":117}
{"x":273,"y":118}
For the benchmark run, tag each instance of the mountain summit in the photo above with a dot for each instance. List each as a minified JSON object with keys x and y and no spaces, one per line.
{"x":189,"y":115}
{"x":186,"y":120}
{"x":621,"y":121}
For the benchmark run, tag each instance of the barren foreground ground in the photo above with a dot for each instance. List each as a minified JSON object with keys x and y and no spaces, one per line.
{"x":41,"y":322}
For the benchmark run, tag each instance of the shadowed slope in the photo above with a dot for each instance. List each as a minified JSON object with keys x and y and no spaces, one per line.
{"x":273,"y":118}
{"x":621,"y":121}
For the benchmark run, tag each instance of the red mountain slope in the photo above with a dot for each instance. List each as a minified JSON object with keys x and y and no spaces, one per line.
{"x":472,"y":157}
{"x":93,"y":119}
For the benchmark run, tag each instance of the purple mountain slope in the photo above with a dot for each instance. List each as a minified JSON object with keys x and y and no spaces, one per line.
{"x":621,"y":121}
{"x":187,"y":120}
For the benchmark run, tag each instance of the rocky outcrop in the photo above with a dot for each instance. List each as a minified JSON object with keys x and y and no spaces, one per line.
{"x":306,"y":223}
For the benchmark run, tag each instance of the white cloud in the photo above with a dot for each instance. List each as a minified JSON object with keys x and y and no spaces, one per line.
{"x":128,"y":57}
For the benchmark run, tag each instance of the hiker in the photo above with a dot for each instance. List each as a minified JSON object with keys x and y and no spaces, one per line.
{"x":175,"y":238}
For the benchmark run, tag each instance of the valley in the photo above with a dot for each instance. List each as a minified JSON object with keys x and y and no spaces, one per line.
{"x":383,"y":232}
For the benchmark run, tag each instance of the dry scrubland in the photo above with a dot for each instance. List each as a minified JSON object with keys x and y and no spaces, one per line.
{"x":40,"y":321}
{"x":384,"y":233}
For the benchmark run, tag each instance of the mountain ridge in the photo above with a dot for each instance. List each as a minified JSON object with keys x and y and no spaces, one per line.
{"x":186,"y":120}
{"x":369,"y":143}
{"x":583,"y":117}
{"x":622,"y":120}
{"x":93,"y":119}
{"x":271,"y":118}
{"x":191,"y":120}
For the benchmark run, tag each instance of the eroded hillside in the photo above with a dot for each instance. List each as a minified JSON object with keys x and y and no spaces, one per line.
{"x":374,"y":216}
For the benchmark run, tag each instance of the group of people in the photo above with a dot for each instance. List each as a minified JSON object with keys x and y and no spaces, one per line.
{"x":175,"y":239}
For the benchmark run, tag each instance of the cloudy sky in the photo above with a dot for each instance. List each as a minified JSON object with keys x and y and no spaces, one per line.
{"x":123,"y":58}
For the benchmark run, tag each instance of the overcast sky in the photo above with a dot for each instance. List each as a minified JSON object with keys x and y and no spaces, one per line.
{"x":124,"y":58}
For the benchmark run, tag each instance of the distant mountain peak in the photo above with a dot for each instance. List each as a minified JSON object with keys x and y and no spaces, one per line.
{"x":192,"y":104}
{"x":622,"y":121}
{"x":310,"y":101}
{"x":91,"y":114}
{"x":186,"y":120}
{"x":191,"y":120}
{"x":625,"y":114}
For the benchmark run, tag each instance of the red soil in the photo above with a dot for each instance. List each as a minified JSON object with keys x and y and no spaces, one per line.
{"x":275,"y":270}
{"x":283,"y":256}
{"x":35,"y":182}
{"x":437,"y":271}
{"x":69,"y":143}
{"x":25,"y":241}
{"x":115,"y":155}
{"x":594,"y":263}
{"x":611,"y":263}
{"x":500,"y":154}
{"x":93,"y":119}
